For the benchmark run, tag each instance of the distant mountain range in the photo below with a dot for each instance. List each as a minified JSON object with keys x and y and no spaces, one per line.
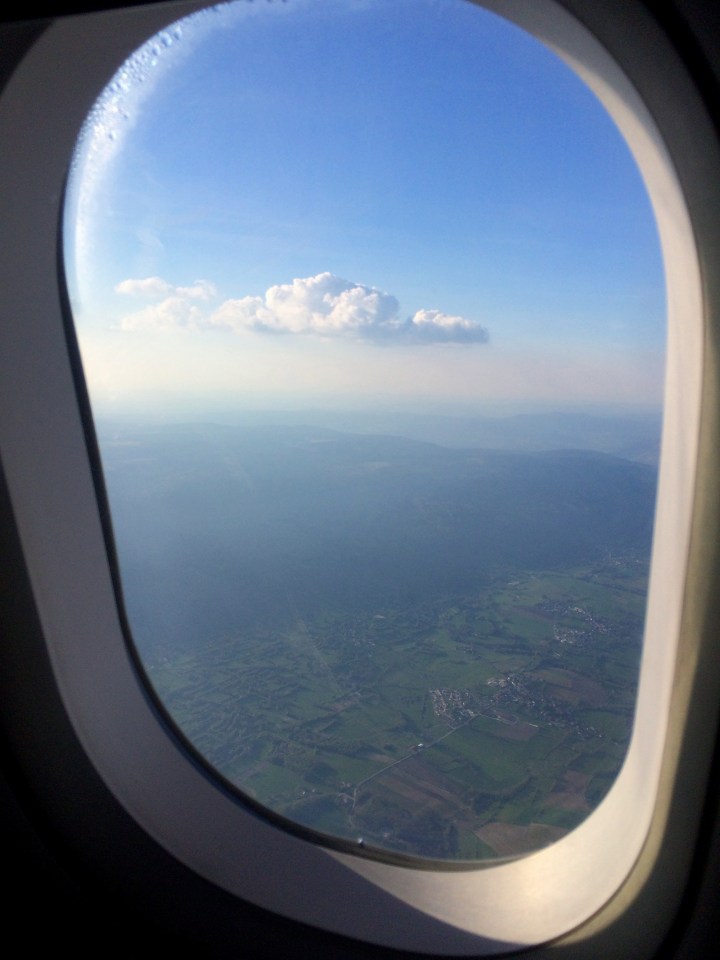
{"x":633,"y":436}
{"x":220,"y":526}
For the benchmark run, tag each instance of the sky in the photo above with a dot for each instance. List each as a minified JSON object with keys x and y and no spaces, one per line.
{"x":409,"y":202}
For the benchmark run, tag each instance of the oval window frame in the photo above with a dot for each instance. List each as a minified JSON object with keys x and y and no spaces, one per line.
{"x":481,"y":911}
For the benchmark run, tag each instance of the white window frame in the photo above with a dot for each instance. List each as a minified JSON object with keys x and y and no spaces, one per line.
{"x":631,"y":851}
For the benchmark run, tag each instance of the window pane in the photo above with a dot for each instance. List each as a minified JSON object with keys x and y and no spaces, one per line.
{"x":370,"y":304}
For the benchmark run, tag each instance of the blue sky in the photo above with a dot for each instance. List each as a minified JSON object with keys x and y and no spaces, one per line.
{"x":341,"y":201}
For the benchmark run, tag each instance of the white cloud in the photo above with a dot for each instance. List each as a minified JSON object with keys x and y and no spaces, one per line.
{"x":324,"y":306}
{"x":328,"y":306}
{"x":435,"y":326}
{"x":149,"y":287}
{"x":200,"y":290}
{"x":173,"y":313}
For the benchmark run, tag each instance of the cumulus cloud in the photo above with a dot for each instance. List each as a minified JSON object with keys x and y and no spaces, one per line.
{"x":172,"y":313}
{"x":433,"y":326}
{"x":175,"y":309}
{"x":324,"y":306}
{"x":149,"y":287}
{"x":328,"y":306}
{"x":200,"y":290}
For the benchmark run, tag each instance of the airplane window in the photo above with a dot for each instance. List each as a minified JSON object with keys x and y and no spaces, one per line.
{"x":371,"y":310}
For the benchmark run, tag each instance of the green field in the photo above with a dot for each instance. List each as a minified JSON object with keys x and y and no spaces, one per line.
{"x":455,"y":728}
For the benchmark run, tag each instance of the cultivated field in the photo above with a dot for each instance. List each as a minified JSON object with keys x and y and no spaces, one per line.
{"x":464,"y":726}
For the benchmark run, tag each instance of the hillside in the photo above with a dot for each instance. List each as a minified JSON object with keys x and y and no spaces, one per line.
{"x":223,"y":526}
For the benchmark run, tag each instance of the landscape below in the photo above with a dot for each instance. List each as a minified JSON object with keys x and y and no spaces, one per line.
{"x":433,"y":651}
